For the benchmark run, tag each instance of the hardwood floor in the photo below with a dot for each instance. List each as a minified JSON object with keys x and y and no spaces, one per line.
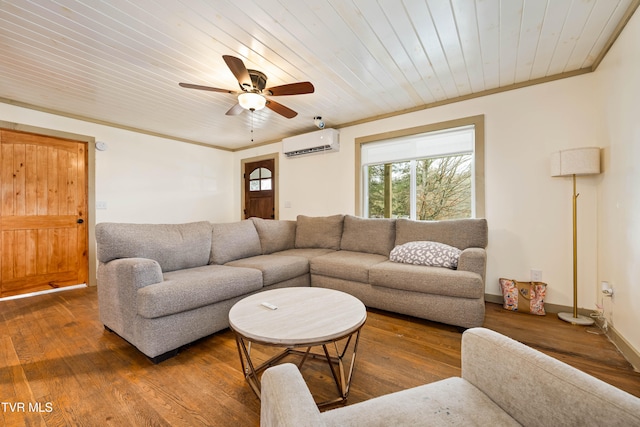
{"x":59,"y":367}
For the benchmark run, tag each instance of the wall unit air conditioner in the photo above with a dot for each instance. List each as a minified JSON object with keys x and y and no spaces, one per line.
{"x":310,"y":143}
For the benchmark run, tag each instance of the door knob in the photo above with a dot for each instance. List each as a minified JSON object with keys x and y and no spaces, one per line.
{"x":80,"y":221}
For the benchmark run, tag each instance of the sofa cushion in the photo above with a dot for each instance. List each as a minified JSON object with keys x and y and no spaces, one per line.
{"x":459,"y":233}
{"x":429,"y":280}
{"x":234,"y":240}
{"x":346,"y":265}
{"x":452,"y":402}
{"x":319,"y":232}
{"x":434,"y":254}
{"x":370,"y":235}
{"x":275,"y":235}
{"x":274,"y":268}
{"x":173,"y":246}
{"x":196,"y":287}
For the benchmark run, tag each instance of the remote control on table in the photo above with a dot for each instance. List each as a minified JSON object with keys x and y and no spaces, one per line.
{"x":269,"y":305}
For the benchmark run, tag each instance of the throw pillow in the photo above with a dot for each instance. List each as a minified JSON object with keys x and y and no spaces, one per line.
{"x":428,"y":253}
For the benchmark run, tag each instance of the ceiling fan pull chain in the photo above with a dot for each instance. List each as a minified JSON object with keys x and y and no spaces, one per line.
{"x":252,"y":112}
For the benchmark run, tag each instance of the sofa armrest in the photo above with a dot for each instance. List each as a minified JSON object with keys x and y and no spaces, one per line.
{"x":286,"y":400}
{"x":118,"y":283}
{"x":474,"y":260}
{"x":538,"y":390}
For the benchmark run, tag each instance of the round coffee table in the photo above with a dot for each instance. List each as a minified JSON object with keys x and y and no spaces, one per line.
{"x":300,"y":318}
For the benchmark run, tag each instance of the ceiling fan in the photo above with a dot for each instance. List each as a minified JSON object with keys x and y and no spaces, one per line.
{"x":253,"y":94}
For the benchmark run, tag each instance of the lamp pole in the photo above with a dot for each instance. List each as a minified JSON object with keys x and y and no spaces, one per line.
{"x":574,"y":318}
{"x":575,"y":249}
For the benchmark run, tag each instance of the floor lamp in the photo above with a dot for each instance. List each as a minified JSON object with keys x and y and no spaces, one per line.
{"x":577,"y":161}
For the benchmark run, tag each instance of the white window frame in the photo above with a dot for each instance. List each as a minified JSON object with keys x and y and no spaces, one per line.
{"x":477,"y":190}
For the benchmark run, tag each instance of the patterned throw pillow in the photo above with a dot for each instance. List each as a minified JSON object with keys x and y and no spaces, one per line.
{"x":433,"y":254}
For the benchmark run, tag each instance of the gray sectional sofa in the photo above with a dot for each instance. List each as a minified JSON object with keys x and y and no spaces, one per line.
{"x":162,"y":286}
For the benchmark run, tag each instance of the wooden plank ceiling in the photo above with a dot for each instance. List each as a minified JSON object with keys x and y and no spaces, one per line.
{"x":119,"y":61}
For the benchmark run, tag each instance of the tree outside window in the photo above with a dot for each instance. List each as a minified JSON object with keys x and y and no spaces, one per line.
{"x":442,"y":188}
{"x":429,"y":172}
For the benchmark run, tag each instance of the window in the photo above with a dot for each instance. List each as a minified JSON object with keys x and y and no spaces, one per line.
{"x":429,"y":173}
{"x":260,"y":180}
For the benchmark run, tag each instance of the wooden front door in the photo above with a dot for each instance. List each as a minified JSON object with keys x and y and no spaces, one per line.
{"x":259,"y":189}
{"x":43,"y":212}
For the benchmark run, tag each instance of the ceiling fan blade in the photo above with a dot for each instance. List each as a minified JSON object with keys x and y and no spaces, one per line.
{"x":235,"y":110}
{"x":209,"y":88}
{"x":290,"y":89}
{"x":239,"y":70}
{"x":281,"y":109}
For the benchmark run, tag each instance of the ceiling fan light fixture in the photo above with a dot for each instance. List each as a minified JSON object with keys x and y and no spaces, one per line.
{"x":253,"y":90}
{"x":252,"y":101}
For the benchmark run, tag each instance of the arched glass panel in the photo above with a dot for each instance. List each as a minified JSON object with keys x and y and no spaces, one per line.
{"x":260,"y":179}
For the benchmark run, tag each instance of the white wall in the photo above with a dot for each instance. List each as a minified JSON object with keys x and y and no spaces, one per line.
{"x":314,"y":185}
{"x":148,"y":179}
{"x":529,"y":213}
{"x":619,"y":191}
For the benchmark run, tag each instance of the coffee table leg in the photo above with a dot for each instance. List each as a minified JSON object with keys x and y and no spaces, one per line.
{"x":248,"y":369}
{"x":304,"y":358}
{"x":330,"y":362}
{"x":343,"y":383}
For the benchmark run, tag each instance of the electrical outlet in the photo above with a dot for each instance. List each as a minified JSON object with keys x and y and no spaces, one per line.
{"x":101,"y":204}
{"x":536,"y":275}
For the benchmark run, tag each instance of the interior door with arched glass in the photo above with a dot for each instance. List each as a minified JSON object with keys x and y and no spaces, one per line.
{"x":259,"y":189}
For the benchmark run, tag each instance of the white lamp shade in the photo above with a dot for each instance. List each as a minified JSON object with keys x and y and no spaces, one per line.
{"x":251,"y":101}
{"x":576,"y":161}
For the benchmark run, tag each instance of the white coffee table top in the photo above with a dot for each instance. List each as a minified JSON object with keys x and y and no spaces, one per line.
{"x":305,"y":316}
